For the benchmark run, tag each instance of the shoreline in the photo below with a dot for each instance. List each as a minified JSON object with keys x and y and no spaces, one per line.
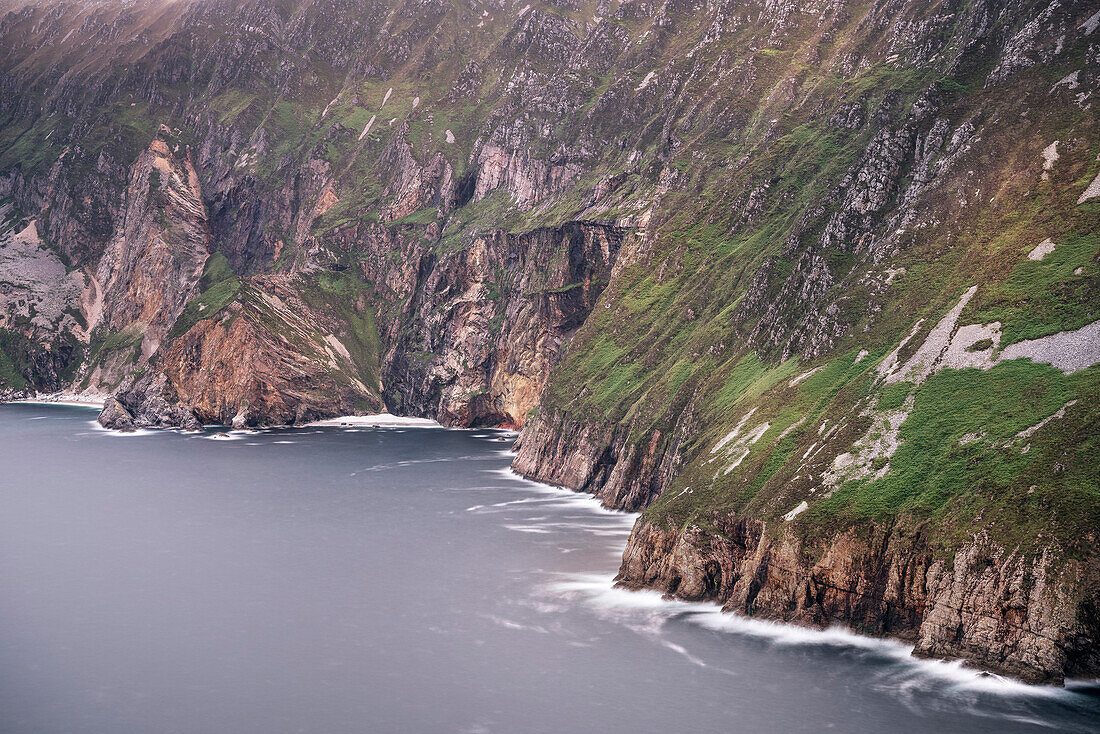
{"x":67,"y":399}
{"x":603,"y":592}
{"x":546,"y":601}
{"x":711,"y":615}
{"x":378,"y":420}
{"x":719,"y":619}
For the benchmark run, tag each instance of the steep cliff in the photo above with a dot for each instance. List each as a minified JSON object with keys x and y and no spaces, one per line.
{"x":42,"y":330}
{"x":998,"y":609}
{"x":815,"y":285}
{"x":478,"y":336}
{"x":151,"y":265}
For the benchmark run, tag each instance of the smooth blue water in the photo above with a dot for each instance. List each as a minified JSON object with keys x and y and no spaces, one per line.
{"x":396,"y":580}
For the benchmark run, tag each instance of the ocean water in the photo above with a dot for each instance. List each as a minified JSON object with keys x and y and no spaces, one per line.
{"x":328,"y":579}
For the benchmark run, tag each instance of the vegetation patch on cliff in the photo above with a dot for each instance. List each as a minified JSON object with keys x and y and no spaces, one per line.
{"x":218,"y":287}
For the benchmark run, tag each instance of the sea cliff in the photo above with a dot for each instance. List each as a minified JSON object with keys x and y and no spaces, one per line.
{"x":815,"y":286}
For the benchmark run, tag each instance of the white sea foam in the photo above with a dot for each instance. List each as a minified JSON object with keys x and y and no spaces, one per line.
{"x":536,"y":529}
{"x":501,"y":506}
{"x":917,"y":683}
{"x":230,"y":436}
{"x":123,"y":434}
{"x":413,"y":462}
{"x":650,"y":611}
{"x":513,"y":625}
{"x":66,"y":399}
{"x":581,"y":499}
{"x":380,"y":420}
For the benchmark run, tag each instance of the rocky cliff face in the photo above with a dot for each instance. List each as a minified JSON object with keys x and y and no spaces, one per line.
{"x":794,"y":279}
{"x":267,"y":358}
{"x":468,"y":336}
{"x":600,"y":459}
{"x":992,"y":607}
{"x":43,"y":329}
{"x":151,"y":265}
{"x":477,"y":338}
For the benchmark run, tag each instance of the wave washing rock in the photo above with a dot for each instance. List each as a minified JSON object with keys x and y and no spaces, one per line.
{"x":993,"y":608}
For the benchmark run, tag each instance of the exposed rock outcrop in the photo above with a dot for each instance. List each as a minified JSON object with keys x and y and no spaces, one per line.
{"x":154,"y":260}
{"x":484,"y":326}
{"x":1031,"y":619}
{"x":268,"y":359}
{"x":599,"y":459}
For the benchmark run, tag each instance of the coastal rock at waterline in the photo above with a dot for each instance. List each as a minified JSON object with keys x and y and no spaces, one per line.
{"x":114,"y":415}
{"x":1015,"y":615}
{"x":557,"y":448}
